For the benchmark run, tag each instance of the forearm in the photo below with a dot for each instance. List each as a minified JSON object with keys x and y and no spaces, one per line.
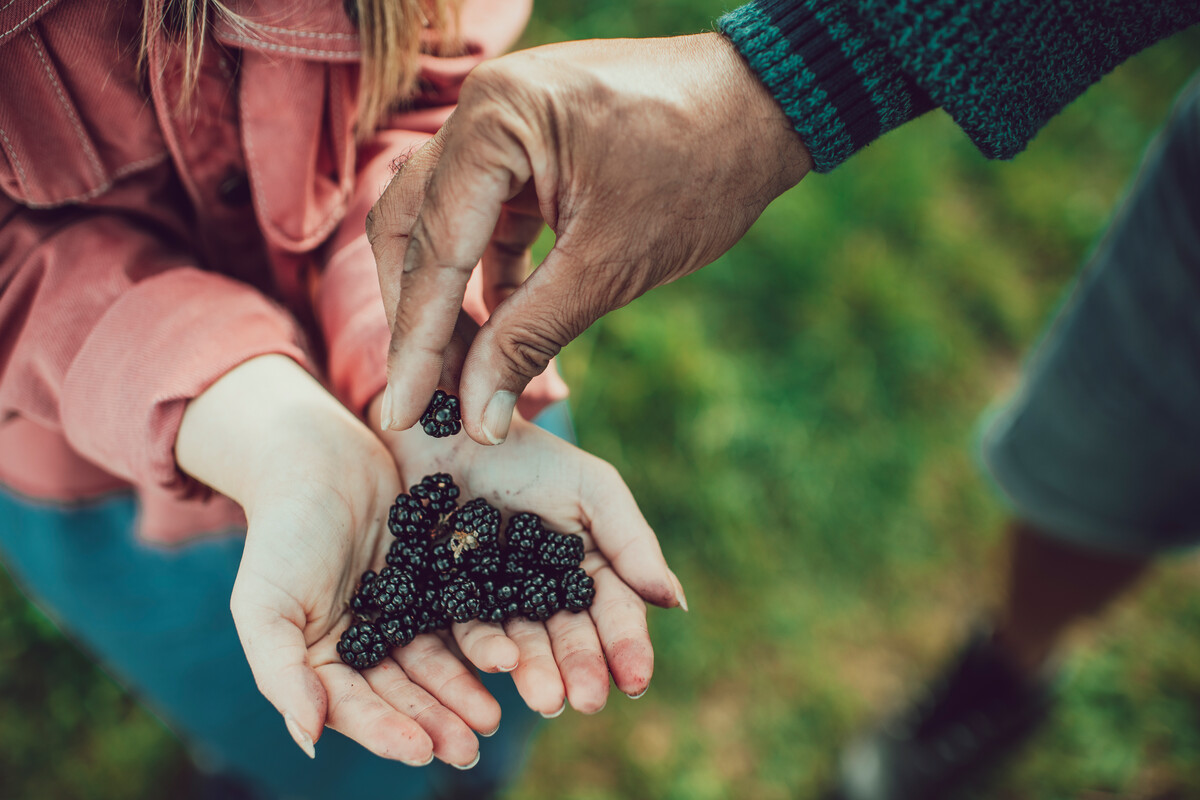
{"x":847,"y":71}
{"x":266,"y":422}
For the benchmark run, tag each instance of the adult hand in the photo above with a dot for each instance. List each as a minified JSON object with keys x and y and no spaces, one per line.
{"x":316,"y":486}
{"x":568,"y":657}
{"x":648,"y":158}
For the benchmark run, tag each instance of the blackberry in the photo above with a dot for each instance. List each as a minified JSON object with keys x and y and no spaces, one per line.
{"x":362,"y":603}
{"x":481,"y":563}
{"x":533,"y":543}
{"x":443,"y":566}
{"x":398,"y":631}
{"x":442,"y":417}
{"x":438,"y":491}
{"x":394,"y":591}
{"x":362,"y":645}
{"x":429,"y":614}
{"x":578,"y":590}
{"x":499,"y":599}
{"x":415,"y":555}
{"x":409,"y":519}
{"x":476,"y":524}
{"x":540,"y":597}
{"x":461,"y":597}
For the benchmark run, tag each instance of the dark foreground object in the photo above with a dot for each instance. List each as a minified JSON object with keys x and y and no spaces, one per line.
{"x":450,"y":564}
{"x":967,"y":719}
{"x":442,"y":417}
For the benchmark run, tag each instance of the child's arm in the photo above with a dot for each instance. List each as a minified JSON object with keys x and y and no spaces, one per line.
{"x":316,"y":485}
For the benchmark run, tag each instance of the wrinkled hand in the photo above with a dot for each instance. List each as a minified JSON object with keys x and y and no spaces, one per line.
{"x":648,"y":158}
{"x":316,"y":485}
{"x":568,"y":657}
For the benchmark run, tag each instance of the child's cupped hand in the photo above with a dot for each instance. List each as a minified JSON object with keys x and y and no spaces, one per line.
{"x":316,"y":486}
{"x":569,"y":657}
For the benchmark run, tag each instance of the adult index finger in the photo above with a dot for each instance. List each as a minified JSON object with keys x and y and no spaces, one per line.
{"x":480,"y":167}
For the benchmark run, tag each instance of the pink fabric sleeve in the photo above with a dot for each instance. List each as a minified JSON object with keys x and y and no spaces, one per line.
{"x":106,"y":333}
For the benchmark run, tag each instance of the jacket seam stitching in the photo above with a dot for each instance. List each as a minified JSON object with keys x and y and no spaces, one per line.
{"x":305,"y":51}
{"x":299,"y":33}
{"x":12,"y":152}
{"x":19,"y":25}
{"x":75,"y":123}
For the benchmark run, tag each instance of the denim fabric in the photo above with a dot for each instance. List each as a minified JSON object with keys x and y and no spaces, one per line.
{"x":157,"y":619}
{"x":1101,"y":444}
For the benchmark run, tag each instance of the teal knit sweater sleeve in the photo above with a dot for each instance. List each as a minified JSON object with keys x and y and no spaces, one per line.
{"x":847,"y":71}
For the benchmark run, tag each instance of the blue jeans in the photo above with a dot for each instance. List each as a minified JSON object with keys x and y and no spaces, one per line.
{"x":157,"y":619}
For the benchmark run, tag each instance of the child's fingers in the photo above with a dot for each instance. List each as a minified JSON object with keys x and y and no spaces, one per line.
{"x":580,"y":660}
{"x":278,"y":657}
{"x":453,"y":741}
{"x":536,"y":677}
{"x":620,"y":617}
{"x":625,"y":538}
{"x":485,"y":645}
{"x":507,"y":259}
{"x":356,"y":711}
{"x":429,"y":663}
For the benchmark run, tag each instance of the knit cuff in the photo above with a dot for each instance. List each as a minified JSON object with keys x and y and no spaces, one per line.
{"x":837,"y":84}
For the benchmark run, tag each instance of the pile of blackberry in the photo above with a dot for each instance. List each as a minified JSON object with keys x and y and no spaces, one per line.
{"x":449,"y":563}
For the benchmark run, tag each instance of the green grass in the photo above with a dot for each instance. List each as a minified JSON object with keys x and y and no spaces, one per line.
{"x":797,"y":422}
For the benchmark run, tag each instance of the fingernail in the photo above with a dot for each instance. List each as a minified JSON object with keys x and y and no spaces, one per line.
{"x":385,"y":409}
{"x":598,"y":710}
{"x":508,"y":668}
{"x":498,"y":416}
{"x":424,"y":763}
{"x":474,"y":761}
{"x":561,"y":709}
{"x":302,"y":739}
{"x":639,"y":694}
{"x":680,"y":597}
{"x":491,"y":733}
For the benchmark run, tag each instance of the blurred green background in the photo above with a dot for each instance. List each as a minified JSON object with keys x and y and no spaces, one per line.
{"x":797,"y":422}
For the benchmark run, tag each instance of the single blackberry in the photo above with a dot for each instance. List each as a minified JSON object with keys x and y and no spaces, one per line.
{"x":578,"y":590}
{"x":499,"y":599}
{"x":540,"y":597}
{"x":438,"y":491}
{"x":362,"y":645}
{"x":443,"y":566}
{"x":415,"y":555}
{"x":461,"y":597}
{"x":429,"y":613}
{"x":398,"y":631}
{"x":393,"y":591}
{"x":362,"y":603}
{"x":476,"y":524}
{"x":530,"y":540}
{"x":442,"y":417}
{"x":409,"y":519}
{"x":480,"y":563}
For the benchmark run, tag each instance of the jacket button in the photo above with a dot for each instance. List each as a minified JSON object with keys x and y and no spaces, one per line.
{"x":234,"y":190}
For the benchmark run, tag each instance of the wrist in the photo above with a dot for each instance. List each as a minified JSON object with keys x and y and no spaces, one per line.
{"x":268,"y":423}
{"x":760,"y":119}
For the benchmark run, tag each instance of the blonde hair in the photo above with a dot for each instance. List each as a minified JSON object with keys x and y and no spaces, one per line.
{"x":390,"y":32}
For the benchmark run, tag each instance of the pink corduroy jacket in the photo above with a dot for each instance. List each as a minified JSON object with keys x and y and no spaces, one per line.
{"x":145,"y":251}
